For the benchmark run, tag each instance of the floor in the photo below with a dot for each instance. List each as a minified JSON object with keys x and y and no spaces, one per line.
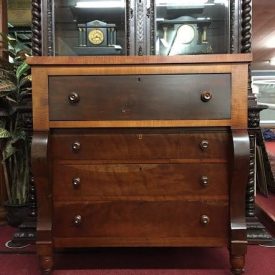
{"x":127,"y":261}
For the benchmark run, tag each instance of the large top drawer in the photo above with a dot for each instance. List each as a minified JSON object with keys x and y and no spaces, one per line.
{"x":140,"y":97}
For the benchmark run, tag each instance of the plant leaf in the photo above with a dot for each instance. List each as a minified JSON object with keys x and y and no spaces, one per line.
{"x":6,"y":86}
{"x":2,"y":122}
{"x":8,"y":151}
{"x":25,"y":80}
{"x":18,"y":134}
{"x":4,"y":133}
{"x":23,"y":68}
{"x":5,"y":39}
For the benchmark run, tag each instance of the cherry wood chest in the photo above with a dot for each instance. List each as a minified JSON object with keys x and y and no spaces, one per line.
{"x":140,"y":151}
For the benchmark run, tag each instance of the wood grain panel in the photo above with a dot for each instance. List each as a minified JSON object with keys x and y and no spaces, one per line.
{"x":139,"y":144}
{"x":141,"y":97}
{"x":40,"y":105}
{"x":239,"y":102}
{"x":141,"y":219}
{"x":115,"y":60}
{"x":187,"y":241}
{"x":41,"y":117}
{"x":142,"y":123}
{"x":117,"y":181}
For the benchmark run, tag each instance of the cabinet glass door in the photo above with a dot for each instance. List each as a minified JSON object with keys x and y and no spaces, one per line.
{"x":95,"y":27}
{"x":140,"y":27}
{"x":192,"y":27}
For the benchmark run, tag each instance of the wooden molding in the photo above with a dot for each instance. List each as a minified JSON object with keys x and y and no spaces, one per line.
{"x":4,"y":17}
{"x":3,"y":22}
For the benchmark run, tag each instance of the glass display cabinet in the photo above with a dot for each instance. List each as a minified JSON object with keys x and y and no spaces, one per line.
{"x":191,"y":27}
{"x":138,"y":27}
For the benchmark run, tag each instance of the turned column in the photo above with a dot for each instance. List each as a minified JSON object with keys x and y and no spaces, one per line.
{"x":256,"y":232}
{"x":3,"y":28}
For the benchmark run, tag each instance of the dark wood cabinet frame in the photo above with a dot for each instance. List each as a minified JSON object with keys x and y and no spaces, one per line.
{"x":140,"y":42}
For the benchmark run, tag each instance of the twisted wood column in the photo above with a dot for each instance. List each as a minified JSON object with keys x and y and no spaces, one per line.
{"x":36,"y":28}
{"x":4,"y":29}
{"x":27,"y":230}
{"x":256,"y":232}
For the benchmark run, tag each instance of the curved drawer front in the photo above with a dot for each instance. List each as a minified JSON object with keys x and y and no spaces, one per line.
{"x":139,"y":145}
{"x":94,"y":182}
{"x":141,"y":219}
{"x":144,"y":97}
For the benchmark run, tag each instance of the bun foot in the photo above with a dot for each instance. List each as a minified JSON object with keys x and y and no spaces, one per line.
{"x":46,"y":264}
{"x":237,"y":264}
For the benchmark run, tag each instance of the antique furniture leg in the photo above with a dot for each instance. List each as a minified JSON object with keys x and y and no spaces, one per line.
{"x":237,"y":203}
{"x":41,"y":178}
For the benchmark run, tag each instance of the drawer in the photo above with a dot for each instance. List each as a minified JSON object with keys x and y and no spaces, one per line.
{"x":141,"y":219}
{"x":139,"y":144}
{"x":143,"y":97}
{"x":84,"y":182}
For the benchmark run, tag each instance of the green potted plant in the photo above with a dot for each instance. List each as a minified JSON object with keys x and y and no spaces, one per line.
{"x":15,"y":80}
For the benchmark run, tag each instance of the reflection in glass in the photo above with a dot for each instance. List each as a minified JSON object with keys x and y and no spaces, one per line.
{"x":263,"y":87}
{"x":192,"y":27}
{"x":95,"y":27}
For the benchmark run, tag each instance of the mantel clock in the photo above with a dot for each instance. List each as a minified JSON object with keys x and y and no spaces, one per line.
{"x":97,"y":38}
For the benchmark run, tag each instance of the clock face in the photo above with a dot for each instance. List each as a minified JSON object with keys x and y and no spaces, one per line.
{"x":186,"y":34}
{"x":96,"y":36}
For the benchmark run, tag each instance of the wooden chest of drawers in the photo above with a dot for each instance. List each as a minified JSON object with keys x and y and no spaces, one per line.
{"x":140,"y":151}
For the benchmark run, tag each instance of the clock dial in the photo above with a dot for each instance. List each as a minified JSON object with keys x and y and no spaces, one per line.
{"x":96,"y":36}
{"x":186,"y":34}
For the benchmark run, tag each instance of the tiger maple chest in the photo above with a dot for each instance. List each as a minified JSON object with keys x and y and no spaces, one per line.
{"x":140,"y":151}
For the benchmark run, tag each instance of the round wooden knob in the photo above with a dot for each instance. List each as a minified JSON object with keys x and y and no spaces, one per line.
{"x":206,"y":96}
{"x":76,"y":182}
{"x":205,"y":220}
{"x":76,"y":146}
{"x":204,"y":144}
{"x":73,"y":98}
{"x":204,"y":181}
{"x":77,"y":220}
